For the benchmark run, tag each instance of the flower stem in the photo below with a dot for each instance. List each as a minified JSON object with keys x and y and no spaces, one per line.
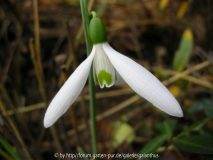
{"x":93,"y":113}
{"x":85,"y":17}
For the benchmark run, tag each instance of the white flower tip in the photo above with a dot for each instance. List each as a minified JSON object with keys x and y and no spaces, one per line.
{"x":177,"y":113}
{"x":171,"y":107}
{"x":174,"y":109}
{"x":51,"y":116}
{"x":47,"y":122}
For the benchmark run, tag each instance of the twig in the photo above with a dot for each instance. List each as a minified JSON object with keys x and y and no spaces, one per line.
{"x":27,"y":108}
{"x":118,"y":107}
{"x":37,"y":34}
{"x":186,"y":72}
{"x":37,"y":69}
{"x":198,"y":81}
{"x":190,"y":79}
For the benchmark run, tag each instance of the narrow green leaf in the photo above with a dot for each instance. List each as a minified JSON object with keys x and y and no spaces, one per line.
{"x":5,"y":155}
{"x":154,"y":144}
{"x":167,"y":127}
{"x":195,"y":127}
{"x":10,"y":149}
{"x":184,"y":51}
{"x":195,"y":144}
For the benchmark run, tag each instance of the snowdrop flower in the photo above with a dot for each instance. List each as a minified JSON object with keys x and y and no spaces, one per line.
{"x":110,"y":67}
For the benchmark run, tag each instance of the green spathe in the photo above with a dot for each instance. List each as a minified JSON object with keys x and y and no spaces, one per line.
{"x":97,"y":31}
{"x":104,"y":76}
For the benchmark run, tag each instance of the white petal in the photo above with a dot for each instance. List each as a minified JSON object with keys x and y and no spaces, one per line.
{"x":119,"y":80}
{"x":143,"y":82}
{"x":103,"y":71}
{"x":94,"y":74}
{"x":68,"y":92}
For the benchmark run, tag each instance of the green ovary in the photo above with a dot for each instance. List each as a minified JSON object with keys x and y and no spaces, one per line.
{"x":104,"y":76}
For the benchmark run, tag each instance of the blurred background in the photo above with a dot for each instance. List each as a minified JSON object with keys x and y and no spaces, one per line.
{"x":41,"y":44}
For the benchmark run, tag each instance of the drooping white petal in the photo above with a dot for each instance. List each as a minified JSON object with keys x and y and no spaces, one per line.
{"x":68,"y":92}
{"x":143,"y":82}
{"x":103,"y":71}
{"x":118,"y":79}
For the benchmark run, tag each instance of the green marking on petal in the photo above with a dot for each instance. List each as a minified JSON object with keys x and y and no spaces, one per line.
{"x":104,"y":76}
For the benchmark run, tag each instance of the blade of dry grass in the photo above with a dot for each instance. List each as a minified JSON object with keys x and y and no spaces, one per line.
{"x":42,"y":90}
{"x":16,"y":112}
{"x":192,"y":79}
{"x":16,"y":131}
{"x":37,"y":34}
{"x":186,"y":72}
